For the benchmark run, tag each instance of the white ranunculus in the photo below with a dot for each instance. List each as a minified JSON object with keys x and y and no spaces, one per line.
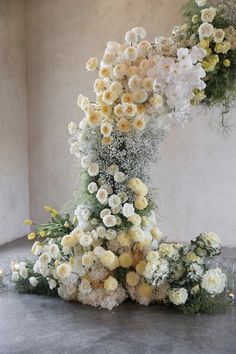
{"x":114,"y":201}
{"x":33,"y":281}
{"x":54,"y":250}
{"x":128,"y":210}
{"x":92,"y":187}
{"x":15,"y":276}
{"x":93,"y":169}
{"x":178,"y":296}
{"x":208,"y":14}
{"x":102,"y":195}
{"x":120,"y":71}
{"x":85,"y":240}
{"x":88,"y":259}
{"x":117,"y":87}
{"x":214,"y":281}
{"x":109,"y":220}
{"x":205,"y":30}
{"x":72,"y":128}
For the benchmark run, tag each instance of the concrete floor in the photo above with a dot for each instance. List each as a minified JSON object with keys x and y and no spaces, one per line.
{"x":30,"y":324}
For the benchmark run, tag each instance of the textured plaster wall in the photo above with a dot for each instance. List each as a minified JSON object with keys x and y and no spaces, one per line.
{"x":196,"y":176}
{"x":13,"y":122}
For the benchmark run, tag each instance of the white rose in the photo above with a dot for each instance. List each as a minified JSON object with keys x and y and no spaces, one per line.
{"x":178,"y":296}
{"x":208,"y":15}
{"x":92,"y":187}
{"x":102,"y":195}
{"x":114,"y":201}
{"x":85,"y":240}
{"x":109,"y":220}
{"x":119,"y":177}
{"x":54,"y":250}
{"x":205,"y":30}
{"x":85,"y":287}
{"x":15,"y":276}
{"x":128,"y":210}
{"x":72,"y":128}
{"x":33,"y":281}
{"x":131,"y":53}
{"x":214,"y":281}
{"x":93,"y":169}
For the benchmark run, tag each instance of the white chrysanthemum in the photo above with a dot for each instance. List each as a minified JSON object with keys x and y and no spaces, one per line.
{"x":110,"y":284}
{"x":99,"y":85}
{"x":205,"y":30}
{"x":109,"y":96}
{"x":130,"y":109}
{"x":140,"y":96}
{"x":120,"y":71}
{"x":131,"y":37}
{"x":135,"y":82}
{"x":109,"y":58}
{"x":109,"y":220}
{"x":211,"y":239}
{"x":178,"y":296}
{"x":118,"y":110}
{"x":117,"y":87}
{"x":33,"y":281}
{"x":131,"y":53}
{"x":85,"y":287}
{"x":119,"y":177}
{"x":140,"y":31}
{"x":148,"y":84}
{"x":201,"y":3}
{"x":64,"y":270}
{"x":93,"y":169}
{"x":91,"y":64}
{"x":106,"y":129}
{"x":72,"y":128}
{"x":85,"y":240}
{"x":208,"y":14}
{"x":114,"y":201}
{"x":143,"y":47}
{"x":102,"y":195}
{"x":128,"y":210}
{"x":44,"y":258}
{"x":114,"y":47}
{"x":54,"y":250}
{"x":92,"y":187}
{"x":214,"y":281}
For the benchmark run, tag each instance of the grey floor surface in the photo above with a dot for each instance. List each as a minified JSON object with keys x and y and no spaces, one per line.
{"x":30,"y":324}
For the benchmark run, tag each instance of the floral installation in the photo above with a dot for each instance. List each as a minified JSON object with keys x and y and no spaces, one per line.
{"x":111,"y":248}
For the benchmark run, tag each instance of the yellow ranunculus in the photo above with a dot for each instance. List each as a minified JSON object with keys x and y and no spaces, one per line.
{"x":141,"y":202}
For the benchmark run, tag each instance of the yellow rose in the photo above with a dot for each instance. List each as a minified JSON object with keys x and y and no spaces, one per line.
{"x":132,"y":278}
{"x":91,"y":64}
{"x":223,"y":47}
{"x":141,"y":203}
{"x":156,"y":233}
{"x":110,"y":284}
{"x":126,"y":260}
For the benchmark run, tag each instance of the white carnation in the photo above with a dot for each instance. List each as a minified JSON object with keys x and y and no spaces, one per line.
{"x":178,"y":296}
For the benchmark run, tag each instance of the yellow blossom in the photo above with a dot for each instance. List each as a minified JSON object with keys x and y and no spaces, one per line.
{"x":226,"y":63}
{"x":127,"y":98}
{"x":31,"y":236}
{"x":105,"y":109}
{"x":110,"y":284}
{"x":144,"y":290}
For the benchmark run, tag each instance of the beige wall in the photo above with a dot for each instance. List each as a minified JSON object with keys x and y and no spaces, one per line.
{"x":196,"y":176}
{"x":13,"y":122}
